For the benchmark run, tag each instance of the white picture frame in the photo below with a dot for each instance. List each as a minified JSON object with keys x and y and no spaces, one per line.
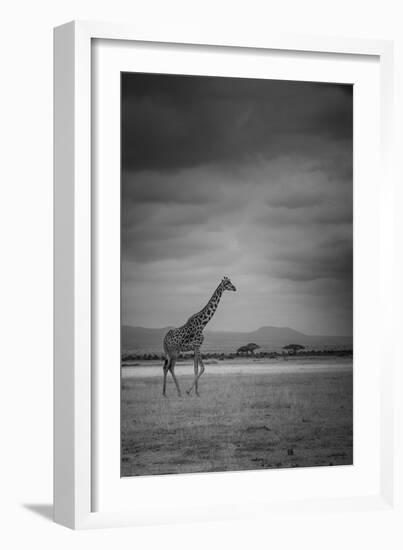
{"x":76,"y":388}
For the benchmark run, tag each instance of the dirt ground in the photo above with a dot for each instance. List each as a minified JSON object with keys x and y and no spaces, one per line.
{"x":247,"y":417}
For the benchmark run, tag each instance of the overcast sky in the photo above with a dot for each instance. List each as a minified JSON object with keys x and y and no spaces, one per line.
{"x":239,"y":177}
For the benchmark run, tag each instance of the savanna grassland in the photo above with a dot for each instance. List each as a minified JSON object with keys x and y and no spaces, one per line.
{"x":249,"y":416}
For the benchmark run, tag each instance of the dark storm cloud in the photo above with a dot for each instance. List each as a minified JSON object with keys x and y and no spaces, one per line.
{"x":172,"y":122}
{"x":241,"y":177}
{"x":330,"y":260}
{"x":150,"y":187}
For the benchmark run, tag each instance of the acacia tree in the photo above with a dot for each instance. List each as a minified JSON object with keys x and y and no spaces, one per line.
{"x":249,"y":348}
{"x":294,"y":348}
{"x":252,"y":347}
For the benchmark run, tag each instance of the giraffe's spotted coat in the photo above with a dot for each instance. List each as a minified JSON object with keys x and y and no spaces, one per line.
{"x":189,"y":337}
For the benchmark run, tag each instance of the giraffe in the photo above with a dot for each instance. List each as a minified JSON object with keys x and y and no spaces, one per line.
{"x":189,"y":337}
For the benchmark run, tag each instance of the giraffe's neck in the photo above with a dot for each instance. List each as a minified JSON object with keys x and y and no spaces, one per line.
{"x":209,"y":309}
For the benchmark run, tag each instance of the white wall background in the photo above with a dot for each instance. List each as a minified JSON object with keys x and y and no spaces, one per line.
{"x":26,"y":271}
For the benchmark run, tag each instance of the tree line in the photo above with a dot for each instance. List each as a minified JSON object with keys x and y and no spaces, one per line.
{"x":250,"y":350}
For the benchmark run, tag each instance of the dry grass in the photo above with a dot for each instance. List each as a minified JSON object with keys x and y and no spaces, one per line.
{"x":240,"y":422}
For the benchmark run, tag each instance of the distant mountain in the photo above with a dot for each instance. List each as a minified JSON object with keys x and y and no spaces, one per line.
{"x":140,"y":337}
{"x":268,"y":338}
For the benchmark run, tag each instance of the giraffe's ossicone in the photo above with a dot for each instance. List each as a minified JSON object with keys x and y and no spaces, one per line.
{"x":189,"y":337}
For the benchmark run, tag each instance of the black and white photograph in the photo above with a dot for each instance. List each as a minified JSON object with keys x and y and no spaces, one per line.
{"x":236,"y":274}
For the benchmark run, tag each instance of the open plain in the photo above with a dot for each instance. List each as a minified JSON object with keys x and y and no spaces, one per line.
{"x":250,"y":415}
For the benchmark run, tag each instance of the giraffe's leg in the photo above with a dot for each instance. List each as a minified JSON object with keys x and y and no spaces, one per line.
{"x":197,"y":376}
{"x":166,"y":369}
{"x":172,"y":369}
{"x":200,"y":372}
{"x":196,"y":367}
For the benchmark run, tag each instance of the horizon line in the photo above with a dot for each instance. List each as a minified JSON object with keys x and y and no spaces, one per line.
{"x":246,"y":331}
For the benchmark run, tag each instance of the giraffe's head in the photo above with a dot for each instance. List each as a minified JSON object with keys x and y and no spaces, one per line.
{"x":227,"y":285}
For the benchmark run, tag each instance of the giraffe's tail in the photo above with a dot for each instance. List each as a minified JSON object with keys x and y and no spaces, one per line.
{"x":167,"y":359}
{"x":165,"y":348}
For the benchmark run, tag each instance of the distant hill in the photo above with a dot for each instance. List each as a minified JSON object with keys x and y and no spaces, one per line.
{"x":268,"y":338}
